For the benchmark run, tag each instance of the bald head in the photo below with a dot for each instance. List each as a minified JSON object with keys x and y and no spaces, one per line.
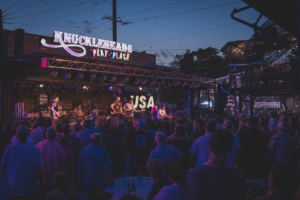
{"x":50,"y":133}
{"x":22,"y":133}
{"x":227,"y":125}
{"x":96,"y":138}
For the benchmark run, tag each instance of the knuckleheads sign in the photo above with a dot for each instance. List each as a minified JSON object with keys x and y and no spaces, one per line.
{"x":102,"y":48}
{"x":142,"y":101}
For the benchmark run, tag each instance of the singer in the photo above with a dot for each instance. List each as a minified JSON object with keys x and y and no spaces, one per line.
{"x":54,"y":110}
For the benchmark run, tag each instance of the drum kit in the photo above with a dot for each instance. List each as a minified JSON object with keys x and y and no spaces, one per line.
{"x":80,"y":117}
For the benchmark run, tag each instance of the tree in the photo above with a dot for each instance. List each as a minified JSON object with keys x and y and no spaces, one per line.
{"x":176,"y":62}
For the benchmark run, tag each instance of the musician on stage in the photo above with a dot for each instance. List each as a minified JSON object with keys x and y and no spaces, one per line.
{"x":77,"y":111}
{"x":115,"y":108}
{"x":161,"y":113}
{"x":54,"y":110}
{"x":154,"y":113}
{"x":129,"y":108}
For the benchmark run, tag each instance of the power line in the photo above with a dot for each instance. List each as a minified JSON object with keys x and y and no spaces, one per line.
{"x":180,"y":13}
{"x":11,"y":6}
{"x":51,"y":9}
{"x":191,"y":34}
{"x":23,"y":8}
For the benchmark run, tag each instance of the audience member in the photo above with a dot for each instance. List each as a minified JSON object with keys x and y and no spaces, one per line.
{"x":254,"y":191}
{"x":199,"y":150}
{"x":181,"y":143}
{"x":22,"y":162}
{"x":150,"y":129}
{"x":233,"y":156}
{"x":199,"y":126}
{"x":61,"y":183}
{"x":166,"y":128}
{"x":253,"y":154}
{"x":219,"y":123}
{"x":281,"y":145}
{"x":164,"y":153}
{"x":37,"y":133}
{"x":84,"y":136}
{"x":139,"y":144}
{"x":212,"y":180}
{"x":54,"y":157}
{"x":64,"y":141}
{"x":272,"y":122}
{"x":72,"y":144}
{"x":176,"y":172}
{"x":92,"y":164}
{"x":14,"y":139}
{"x":5,"y":136}
{"x":155,"y":170}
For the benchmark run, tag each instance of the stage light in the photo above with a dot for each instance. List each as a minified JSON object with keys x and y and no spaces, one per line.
{"x":140,"y":88}
{"x":110,"y":88}
{"x":145,"y":81}
{"x":41,"y":85}
{"x":113,"y":78}
{"x":67,"y":75}
{"x":242,"y":52}
{"x":84,"y":87}
{"x":177,"y":83}
{"x":192,"y":85}
{"x":102,"y":78}
{"x":93,"y":76}
{"x":79,"y":76}
{"x":138,"y":81}
{"x":279,"y":51}
{"x":185,"y":84}
{"x":54,"y":73}
{"x":126,"y":79}
{"x":154,"y":82}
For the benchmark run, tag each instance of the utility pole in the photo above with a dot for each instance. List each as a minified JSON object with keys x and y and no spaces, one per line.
{"x":1,"y":74}
{"x":114,"y":21}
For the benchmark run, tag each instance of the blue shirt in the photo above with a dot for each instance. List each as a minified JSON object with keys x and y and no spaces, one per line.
{"x":85,"y":136}
{"x":165,"y":154}
{"x":200,"y":148}
{"x":94,"y":160}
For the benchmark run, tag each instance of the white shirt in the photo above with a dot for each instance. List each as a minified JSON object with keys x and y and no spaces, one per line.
{"x":161,"y":113}
{"x":200,"y":148}
{"x":231,"y":156}
{"x":21,"y":160}
{"x":129,"y":107}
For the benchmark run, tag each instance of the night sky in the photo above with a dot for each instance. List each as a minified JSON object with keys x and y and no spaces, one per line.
{"x":161,"y":27}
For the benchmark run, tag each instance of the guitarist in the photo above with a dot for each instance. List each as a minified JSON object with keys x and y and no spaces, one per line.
{"x":129,"y":108}
{"x":54,"y":110}
{"x":114,"y":107}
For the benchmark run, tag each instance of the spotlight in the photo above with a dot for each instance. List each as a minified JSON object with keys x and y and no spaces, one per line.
{"x":138,"y":80}
{"x":154,"y":81}
{"x":140,"y":88}
{"x":84,"y":87}
{"x":41,"y":85}
{"x":102,"y":78}
{"x":79,"y":76}
{"x":177,"y":83}
{"x":93,"y":76}
{"x":110,"y":88}
{"x":145,"y":81}
{"x":197,"y":85}
{"x":192,"y":85}
{"x":185,"y":84}
{"x":67,"y":75}
{"x":113,"y":78}
{"x":126,"y":79}
{"x":54,"y":73}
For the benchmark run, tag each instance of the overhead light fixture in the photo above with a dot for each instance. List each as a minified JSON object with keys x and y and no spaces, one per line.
{"x":126,"y":79}
{"x":92,"y":77}
{"x":41,"y":85}
{"x":79,"y":76}
{"x":140,"y":88}
{"x":154,"y":82}
{"x":185,"y":84}
{"x":138,"y":80}
{"x":102,"y":78}
{"x":84,"y":87}
{"x":67,"y":75}
{"x":192,"y":85}
{"x":177,"y":83}
{"x":145,"y":81}
{"x":54,"y":73}
{"x":113,"y":78}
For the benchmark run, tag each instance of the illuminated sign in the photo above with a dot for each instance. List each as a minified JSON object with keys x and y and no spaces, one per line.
{"x":141,"y":101}
{"x":67,"y":40}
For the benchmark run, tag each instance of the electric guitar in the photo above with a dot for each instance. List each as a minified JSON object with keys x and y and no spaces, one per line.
{"x":58,"y":114}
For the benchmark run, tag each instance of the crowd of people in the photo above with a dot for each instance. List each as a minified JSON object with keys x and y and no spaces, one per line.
{"x":204,"y":158}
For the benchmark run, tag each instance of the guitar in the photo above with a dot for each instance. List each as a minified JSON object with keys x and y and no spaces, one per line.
{"x":57,"y":115}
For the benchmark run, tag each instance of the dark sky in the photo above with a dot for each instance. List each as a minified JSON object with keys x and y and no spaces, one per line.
{"x":161,"y":27}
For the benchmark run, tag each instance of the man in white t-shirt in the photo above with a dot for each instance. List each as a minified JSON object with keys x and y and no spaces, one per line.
{"x":233,"y":156}
{"x":22,"y":162}
{"x":161,"y":113}
{"x":129,"y":109}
